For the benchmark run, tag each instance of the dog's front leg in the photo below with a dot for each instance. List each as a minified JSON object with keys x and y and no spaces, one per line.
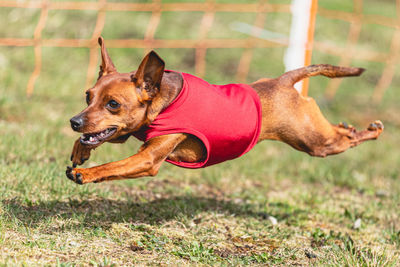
{"x":145,"y":163}
{"x":80,"y":153}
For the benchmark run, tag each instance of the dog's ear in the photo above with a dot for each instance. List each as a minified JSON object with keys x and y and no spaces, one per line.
{"x":107,"y":66}
{"x":148,"y":76}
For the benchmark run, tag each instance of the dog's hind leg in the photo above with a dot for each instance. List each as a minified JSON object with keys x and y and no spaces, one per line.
{"x":306,"y":129}
{"x":298,"y":121}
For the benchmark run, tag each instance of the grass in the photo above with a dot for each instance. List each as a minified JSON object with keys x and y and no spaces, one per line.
{"x":220,"y":215}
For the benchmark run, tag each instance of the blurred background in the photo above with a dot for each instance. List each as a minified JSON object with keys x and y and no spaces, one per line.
{"x":47,"y":44}
{"x":49,"y":52}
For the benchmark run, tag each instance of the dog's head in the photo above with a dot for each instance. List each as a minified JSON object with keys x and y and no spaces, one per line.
{"x":120,"y":103}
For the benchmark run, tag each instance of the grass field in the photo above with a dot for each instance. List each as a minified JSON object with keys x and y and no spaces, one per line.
{"x":221,"y":215}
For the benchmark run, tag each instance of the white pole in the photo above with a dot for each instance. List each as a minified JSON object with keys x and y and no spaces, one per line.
{"x":295,"y":55}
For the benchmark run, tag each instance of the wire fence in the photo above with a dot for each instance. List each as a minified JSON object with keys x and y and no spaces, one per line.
{"x":347,"y":53}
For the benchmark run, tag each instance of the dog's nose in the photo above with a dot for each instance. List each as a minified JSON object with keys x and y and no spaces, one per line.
{"x":76,"y":123}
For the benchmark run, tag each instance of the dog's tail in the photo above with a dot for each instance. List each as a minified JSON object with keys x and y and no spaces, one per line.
{"x":291,"y":77}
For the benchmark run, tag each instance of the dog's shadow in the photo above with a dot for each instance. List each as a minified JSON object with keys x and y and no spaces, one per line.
{"x":103,"y":212}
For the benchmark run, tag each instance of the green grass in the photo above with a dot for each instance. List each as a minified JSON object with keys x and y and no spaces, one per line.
{"x":214,"y":216}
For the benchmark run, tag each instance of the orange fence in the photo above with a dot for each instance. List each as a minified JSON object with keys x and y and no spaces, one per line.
{"x":346,"y":53}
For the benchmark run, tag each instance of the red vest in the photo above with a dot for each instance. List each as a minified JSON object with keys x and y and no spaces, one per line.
{"x":226,"y":118}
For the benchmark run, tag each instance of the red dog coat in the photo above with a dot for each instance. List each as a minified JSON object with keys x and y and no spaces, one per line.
{"x":226,"y":118}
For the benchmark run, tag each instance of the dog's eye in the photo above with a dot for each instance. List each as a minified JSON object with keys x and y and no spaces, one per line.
{"x":112,"y":104}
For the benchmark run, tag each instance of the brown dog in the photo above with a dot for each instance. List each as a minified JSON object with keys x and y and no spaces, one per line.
{"x":125,"y":104}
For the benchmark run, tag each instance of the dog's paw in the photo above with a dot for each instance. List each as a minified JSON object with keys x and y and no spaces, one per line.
{"x":76,"y":161}
{"x":80,"y":157}
{"x":376,"y":126}
{"x":344,"y":125}
{"x":73,"y":175}
{"x":80,"y":153}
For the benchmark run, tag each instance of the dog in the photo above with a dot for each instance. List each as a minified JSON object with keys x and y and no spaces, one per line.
{"x":186,"y":121}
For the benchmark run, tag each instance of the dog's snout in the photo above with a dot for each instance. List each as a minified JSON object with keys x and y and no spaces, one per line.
{"x":76,"y":123}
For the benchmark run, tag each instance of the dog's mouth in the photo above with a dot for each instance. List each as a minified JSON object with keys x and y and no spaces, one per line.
{"x":97,"y":138}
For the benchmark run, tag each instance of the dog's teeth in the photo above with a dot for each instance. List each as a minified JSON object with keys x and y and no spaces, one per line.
{"x":96,"y":137}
